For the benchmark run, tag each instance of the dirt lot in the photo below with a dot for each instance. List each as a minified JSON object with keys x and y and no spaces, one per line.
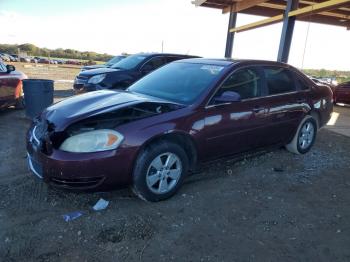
{"x":62,"y":74}
{"x":270,"y":206}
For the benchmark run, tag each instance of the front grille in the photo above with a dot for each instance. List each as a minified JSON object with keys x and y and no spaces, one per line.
{"x":78,"y":86}
{"x":40,"y":137}
{"x":39,"y":131}
{"x":78,"y":183}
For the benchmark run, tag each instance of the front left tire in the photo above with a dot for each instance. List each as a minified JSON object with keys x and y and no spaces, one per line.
{"x":160,"y":171}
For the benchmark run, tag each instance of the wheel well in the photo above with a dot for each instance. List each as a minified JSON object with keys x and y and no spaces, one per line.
{"x":181,"y":139}
{"x":317,"y":117}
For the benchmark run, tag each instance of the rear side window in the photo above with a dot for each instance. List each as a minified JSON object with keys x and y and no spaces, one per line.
{"x":302,"y":84}
{"x":278,"y":80}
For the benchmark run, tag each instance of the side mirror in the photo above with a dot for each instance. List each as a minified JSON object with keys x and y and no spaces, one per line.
{"x":10,"y":68}
{"x":227,"y":97}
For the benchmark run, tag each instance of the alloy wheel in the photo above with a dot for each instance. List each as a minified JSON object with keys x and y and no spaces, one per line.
{"x":164,"y":173}
{"x":306,"y":135}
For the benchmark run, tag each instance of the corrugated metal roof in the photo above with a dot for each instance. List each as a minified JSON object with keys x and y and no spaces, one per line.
{"x":337,"y":14}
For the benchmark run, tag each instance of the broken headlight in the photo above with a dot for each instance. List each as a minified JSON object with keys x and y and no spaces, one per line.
{"x":93,"y":141}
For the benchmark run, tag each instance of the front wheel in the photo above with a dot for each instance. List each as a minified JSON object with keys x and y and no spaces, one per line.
{"x":159,"y":171}
{"x":305,"y":136}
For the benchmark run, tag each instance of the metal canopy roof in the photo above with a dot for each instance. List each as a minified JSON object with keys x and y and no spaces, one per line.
{"x":330,"y":12}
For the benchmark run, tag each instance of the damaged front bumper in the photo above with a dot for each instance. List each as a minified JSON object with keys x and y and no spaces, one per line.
{"x":81,"y":171}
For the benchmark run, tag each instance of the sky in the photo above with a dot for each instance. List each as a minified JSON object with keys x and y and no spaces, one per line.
{"x":116,"y":26}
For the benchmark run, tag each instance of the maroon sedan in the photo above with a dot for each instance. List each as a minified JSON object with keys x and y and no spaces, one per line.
{"x":11,"y":93}
{"x":342,"y":93}
{"x":151,"y":135}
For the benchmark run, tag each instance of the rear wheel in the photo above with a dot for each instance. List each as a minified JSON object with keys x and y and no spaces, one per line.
{"x":159,"y":172}
{"x":305,"y":136}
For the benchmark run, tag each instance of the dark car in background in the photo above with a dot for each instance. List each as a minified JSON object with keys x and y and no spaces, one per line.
{"x":11,"y":93}
{"x":124,"y":73}
{"x":342,"y":93}
{"x":15,"y":57}
{"x":184,"y":113}
{"x":109,"y":63}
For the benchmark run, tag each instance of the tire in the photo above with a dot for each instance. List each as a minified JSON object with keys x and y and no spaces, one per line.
{"x":305,"y":136}
{"x":151,"y":175}
{"x":20,"y":103}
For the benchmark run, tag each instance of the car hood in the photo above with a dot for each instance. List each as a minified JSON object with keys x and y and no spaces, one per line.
{"x":68,"y":111}
{"x":98,"y":71}
{"x":14,"y":74}
{"x":94,"y":67}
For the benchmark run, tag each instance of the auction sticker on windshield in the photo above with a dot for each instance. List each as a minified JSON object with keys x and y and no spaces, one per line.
{"x":213,"y":69}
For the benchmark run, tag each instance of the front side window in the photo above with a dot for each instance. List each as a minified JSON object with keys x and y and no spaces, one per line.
{"x":245,"y":82}
{"x":278,"y":80}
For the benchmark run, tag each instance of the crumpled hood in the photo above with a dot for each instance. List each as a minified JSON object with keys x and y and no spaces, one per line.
{"x":97,"y":71}
{"x":70,"y":110}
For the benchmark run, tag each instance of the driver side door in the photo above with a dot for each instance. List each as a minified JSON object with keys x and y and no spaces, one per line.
{"x":237,"y":126}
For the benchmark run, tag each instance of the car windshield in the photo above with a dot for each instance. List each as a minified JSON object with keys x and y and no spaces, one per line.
{"x":130,"y":62}
{"x":178,"y":82}
{"x":114,"y":60}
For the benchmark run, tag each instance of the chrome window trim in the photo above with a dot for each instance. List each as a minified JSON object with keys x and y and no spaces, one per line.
{"x":253,"y":98}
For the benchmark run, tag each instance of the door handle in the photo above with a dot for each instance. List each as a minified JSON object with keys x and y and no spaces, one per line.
{"x":258,"y":109}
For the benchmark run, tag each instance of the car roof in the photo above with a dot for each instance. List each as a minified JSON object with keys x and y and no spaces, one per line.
{"x":164,"y":54}
{"x":228,"y":62}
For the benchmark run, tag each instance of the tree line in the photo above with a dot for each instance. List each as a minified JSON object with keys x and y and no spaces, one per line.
{"x":32,"y":50}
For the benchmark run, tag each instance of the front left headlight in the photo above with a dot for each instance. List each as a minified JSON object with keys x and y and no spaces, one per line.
{"x":93,"y":141}
{"x":97,"y":79}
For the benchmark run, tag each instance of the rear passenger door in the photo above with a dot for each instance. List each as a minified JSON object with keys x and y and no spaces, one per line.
{"x":284,"y":102}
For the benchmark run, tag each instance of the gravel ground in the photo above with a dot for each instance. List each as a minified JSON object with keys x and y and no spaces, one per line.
{"x":268,"y":206}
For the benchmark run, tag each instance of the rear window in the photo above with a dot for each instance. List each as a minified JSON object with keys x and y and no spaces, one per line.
{"x":278,"y":80}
